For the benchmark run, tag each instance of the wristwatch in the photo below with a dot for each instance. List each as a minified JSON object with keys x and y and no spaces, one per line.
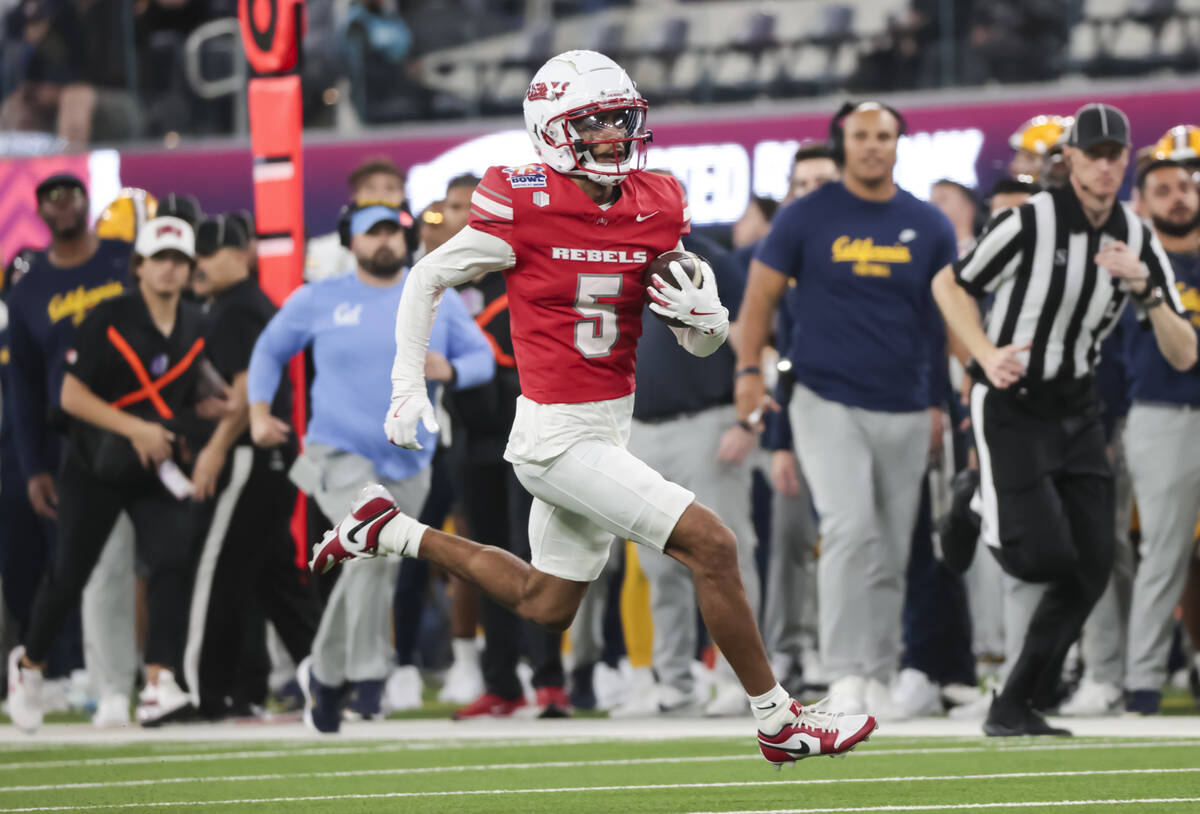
{"x":1152,"y":297}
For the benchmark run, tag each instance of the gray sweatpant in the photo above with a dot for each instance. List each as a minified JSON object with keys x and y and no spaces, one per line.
{"x":1162,"y":444}
{"x":684,"y":450}
{"x":353,"y":641}
{"x":1107,"y":627}
{"x":865,"y":470}
{"x":790,"y":604}
{"x":110,"y":651}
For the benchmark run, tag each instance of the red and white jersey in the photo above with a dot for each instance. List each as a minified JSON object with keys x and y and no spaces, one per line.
{"x":575,"y":294}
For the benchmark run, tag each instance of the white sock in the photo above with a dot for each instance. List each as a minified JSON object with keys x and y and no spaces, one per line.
{"x":773,"y":709}
{"x":465,"y":651}
{"x":401,"y":535}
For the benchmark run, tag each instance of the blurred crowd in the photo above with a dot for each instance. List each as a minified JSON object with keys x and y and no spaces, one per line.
{"x":108,"y":71}
{"x":151,"y":465}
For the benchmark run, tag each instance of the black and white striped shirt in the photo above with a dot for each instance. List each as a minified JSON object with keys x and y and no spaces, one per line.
{"x":1037,"y":259}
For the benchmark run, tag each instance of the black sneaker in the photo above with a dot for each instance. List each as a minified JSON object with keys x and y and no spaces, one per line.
{"x":959,"y":532}
{"x":583,"y":692}
{"x":1008,"y":719}
{"x":1143,"y":702}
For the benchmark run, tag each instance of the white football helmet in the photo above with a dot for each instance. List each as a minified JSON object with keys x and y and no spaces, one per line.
{"x":580,"y":101}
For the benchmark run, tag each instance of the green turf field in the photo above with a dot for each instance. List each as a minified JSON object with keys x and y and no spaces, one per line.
{"x":705,"y":775}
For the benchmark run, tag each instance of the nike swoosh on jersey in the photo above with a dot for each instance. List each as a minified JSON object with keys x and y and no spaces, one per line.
{"x":642,"y":217}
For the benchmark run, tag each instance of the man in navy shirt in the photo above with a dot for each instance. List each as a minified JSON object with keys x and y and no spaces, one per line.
{"x":1162,"y":441}
{"x":64,"y":283}
{"x":865,"y":351}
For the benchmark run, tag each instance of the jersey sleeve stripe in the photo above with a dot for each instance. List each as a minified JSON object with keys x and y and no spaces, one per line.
{"x":497,"y":211}
{"x":481,"y":215}
{"x":492,"y":193}
{"x":980,"y":270}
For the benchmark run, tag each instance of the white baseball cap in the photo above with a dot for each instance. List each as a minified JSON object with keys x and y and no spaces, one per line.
{"x":160,"y":234}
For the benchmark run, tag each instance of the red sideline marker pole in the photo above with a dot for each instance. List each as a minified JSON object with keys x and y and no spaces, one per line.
{"x":272,"y":31}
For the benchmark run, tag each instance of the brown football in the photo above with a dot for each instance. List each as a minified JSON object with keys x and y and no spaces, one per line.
{"x":661,"y":266}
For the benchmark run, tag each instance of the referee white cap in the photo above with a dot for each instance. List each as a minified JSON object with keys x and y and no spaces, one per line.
{"x":1096,"y":123}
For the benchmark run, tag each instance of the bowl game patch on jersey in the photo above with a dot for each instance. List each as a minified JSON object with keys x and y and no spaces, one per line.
{"x":529,"y":175}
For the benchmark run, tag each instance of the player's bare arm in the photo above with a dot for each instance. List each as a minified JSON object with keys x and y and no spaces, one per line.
{"x":763,"y":292}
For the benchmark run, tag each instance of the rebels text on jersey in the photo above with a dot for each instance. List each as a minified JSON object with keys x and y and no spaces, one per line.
{"x":575,"y":293}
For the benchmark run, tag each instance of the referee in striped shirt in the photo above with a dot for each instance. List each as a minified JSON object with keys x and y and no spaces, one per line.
{"x":1061,"y":268}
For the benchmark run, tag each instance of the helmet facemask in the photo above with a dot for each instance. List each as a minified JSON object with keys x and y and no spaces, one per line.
{"x":607,"y":139}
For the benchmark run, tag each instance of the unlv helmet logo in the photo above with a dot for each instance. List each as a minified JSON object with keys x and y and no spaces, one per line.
{"x":546,"y":90}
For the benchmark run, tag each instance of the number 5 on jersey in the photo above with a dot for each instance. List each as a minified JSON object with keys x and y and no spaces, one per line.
{"x":596,"y":333}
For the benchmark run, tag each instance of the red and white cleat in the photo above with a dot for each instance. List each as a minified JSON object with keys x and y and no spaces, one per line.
{"x":357,"y":536}
{"x":812,"y":732}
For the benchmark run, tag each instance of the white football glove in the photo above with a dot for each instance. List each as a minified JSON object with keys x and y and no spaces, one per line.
{"x":404,"y":413}
{"x":698,"y":308}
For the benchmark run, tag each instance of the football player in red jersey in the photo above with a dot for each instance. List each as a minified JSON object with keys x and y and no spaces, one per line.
{"x":573,"y":235}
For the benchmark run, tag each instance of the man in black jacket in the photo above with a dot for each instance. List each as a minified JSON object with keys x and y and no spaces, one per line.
{"x":247,"y":571}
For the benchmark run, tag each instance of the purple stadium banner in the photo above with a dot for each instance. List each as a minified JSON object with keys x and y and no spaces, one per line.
{"x":721,"y":158}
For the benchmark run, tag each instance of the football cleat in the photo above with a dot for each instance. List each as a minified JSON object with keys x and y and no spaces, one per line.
{"x":812,"y":732}
{"x":357,"y":536}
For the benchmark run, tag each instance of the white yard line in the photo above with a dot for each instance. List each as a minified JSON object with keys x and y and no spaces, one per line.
{"x":673,"y":786}
{"x":871,"y":751}
{"x":494,"y":767}
{"x":964,"y":806}
{"x":1161,"y":726}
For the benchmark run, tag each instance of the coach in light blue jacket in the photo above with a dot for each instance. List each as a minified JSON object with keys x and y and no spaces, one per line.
{"x":349,"y":323}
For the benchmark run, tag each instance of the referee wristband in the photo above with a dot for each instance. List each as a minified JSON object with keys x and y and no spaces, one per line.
{"x":749,"y":370}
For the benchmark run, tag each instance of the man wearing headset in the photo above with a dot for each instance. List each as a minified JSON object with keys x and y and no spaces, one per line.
{"x":867,"y":354}
{"x":348,"y":321}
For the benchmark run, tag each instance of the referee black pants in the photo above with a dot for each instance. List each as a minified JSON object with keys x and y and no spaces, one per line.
{"x":165,"y":530}
{"x":247,"y":575}
{"x":497,"y":509}
{"x":1047,"y":482}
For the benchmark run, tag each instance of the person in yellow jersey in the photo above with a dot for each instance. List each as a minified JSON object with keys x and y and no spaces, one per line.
{"x":122,"y":218}
{"x":1181,"y":143}
{"x":1037,"y":151}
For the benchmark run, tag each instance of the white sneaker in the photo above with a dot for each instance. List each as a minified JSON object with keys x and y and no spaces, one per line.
{"x":878,"y":700}
{"x":614,"y":685}
{"x":403,"y":689}
{"x":24,"y":693}
{"x":163,"y":702}
{"x":112,"y":711}
{"x":1092,"y":699}
{"x":662,"y":702}
{"x":977,"y":710}
{"x":955,"y":695}
{"x":914,"y":694}
{"x":54,"y":694}
{"x":847,"y":695}
{"x":728,"y":701}
{"x":464,"y":682}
